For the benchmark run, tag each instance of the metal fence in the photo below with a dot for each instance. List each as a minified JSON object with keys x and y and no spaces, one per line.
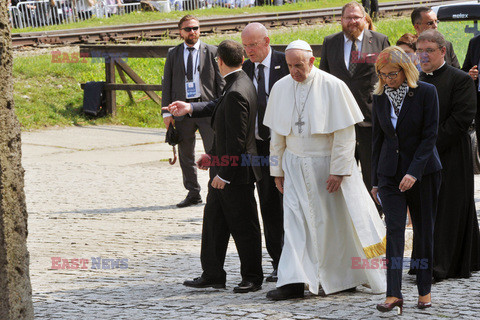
{"x":39,"y":13}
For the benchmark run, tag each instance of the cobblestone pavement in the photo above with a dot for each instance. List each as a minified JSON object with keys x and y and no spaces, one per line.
{"x":102,"y":193}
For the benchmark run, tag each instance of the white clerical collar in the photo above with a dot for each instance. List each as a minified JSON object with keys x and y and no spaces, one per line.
{"x":360,"y":37}
{"x":239,"y":69}
{"x":267,"y":61}
{"x":196,"y":45}
{"x":431,"y":73}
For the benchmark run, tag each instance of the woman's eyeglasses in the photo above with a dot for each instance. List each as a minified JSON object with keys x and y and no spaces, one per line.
{"x":391,"y":75}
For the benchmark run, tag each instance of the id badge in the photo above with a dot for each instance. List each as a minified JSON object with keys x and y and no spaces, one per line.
{"x":191,"y":90}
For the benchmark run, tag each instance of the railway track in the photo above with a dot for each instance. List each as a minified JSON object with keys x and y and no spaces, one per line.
{"x":155,"y":31}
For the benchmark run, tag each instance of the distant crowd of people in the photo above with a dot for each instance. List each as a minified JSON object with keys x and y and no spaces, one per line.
{"x":402,"y":113}
{"x":39,"y":13}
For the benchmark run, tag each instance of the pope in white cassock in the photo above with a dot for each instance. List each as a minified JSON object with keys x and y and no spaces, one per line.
{"x":332,"y":228}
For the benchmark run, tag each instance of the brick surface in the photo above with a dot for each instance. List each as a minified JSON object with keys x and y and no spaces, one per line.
{"x":102,"y":192}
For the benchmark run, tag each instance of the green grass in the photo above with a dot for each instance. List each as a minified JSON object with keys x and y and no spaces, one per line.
{"x":48,"y":94}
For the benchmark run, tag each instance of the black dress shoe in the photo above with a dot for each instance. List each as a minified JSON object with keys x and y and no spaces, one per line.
{"x":203,"y":283}
{"x":352,"y":289}
{"x":247,"y":286}
{"x":289,"y":291}
{"x":272,"y":277}
{"x":189,"y":201}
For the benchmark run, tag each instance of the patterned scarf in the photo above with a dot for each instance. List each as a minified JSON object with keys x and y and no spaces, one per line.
{"x":397,"y":95}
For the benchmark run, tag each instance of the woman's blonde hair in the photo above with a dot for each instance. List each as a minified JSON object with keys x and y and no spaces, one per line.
{"x":395,"y":56}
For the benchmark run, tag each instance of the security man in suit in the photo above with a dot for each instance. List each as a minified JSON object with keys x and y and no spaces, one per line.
{"x":191,"y":74}
{"x":265,"y":67}
{"x":231,"y":208}
{"x":350,"y":55}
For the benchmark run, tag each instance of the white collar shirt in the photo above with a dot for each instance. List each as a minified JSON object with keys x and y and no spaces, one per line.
{"x":347,"y":47}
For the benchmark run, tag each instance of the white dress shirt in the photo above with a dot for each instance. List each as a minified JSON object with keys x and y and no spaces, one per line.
{"x":347,"y":47}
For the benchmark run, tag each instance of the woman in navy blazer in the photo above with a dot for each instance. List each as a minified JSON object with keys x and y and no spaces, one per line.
{"x":405,"y":168}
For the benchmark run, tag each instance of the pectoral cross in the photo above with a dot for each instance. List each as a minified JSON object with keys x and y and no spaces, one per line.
{"x":299,"y":124}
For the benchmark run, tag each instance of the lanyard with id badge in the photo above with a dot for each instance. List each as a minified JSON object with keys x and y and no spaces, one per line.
{"x":191,"y":89}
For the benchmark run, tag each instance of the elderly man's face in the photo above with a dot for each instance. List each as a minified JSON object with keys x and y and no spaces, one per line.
{"x":353,"y":22}
{"x":299,"y":64}
{"x":431,"y":56}
{"x":256,"y":45}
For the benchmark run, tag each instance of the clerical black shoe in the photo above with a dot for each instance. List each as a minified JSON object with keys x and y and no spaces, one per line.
{"x":189,"y":201}
{"x":247,"y":286}
{"x":352,"y":289}
{"x":203,"y":283}
{"x":288,"y":291}
{"x":272,"y":277}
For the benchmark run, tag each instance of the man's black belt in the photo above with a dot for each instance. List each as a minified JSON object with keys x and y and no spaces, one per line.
{"x":194,"y":100}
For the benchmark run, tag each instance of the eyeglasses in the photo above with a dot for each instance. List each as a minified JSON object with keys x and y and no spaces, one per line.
{"x":250,"y":46}
{"x":428,"y":50}
{"x":391,"y":75}
{"x":188,"y":29}
{"x":352,"y":18}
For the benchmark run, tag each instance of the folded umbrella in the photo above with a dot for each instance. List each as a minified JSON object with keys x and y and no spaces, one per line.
{"x":172,"y":138}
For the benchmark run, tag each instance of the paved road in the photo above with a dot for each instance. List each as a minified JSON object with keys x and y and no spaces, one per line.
{"x":102,"y":194}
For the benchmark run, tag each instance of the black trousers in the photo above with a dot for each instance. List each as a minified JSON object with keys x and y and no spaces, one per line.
{"x":271,"y":208}
{"x":422,"y":200}
{"x":186,"y":149}
{"x":231,"y":211}
{"x":370,"y":6}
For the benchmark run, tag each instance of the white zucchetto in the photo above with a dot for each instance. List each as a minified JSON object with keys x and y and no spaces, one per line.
{"x":299,"y":44}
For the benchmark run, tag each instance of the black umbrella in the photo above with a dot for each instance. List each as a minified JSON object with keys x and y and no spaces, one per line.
{"x":172,"y":138}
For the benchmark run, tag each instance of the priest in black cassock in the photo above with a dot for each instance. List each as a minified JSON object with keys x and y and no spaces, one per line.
{"x":456,"y":234}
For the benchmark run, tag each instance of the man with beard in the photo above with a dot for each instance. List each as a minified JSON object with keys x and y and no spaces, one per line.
{"x":456,"y":234}
{"x":265,"y":67}
{"x":350,"y":55}
{"x":191,"y":74}
{"x":423,"y":18}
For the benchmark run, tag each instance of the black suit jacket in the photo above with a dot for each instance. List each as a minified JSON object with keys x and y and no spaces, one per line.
{"x":174,"y":75}
{"x":473,"y":54}
{"x":362,"y":82}
{"x":450,"y":56}
{"x":233,"y":120}
{"x":278,"y":68}
{"x":410,"y":147}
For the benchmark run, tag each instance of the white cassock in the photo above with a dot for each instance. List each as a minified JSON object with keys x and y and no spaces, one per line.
{"x":323,"y":231}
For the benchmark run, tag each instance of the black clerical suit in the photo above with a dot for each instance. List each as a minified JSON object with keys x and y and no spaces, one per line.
{"x":457,"y":241}
{"x":271,"y":206}
{"x":232,"y":210}
{"x":361,"y":82}
{"x":409,"y":148}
